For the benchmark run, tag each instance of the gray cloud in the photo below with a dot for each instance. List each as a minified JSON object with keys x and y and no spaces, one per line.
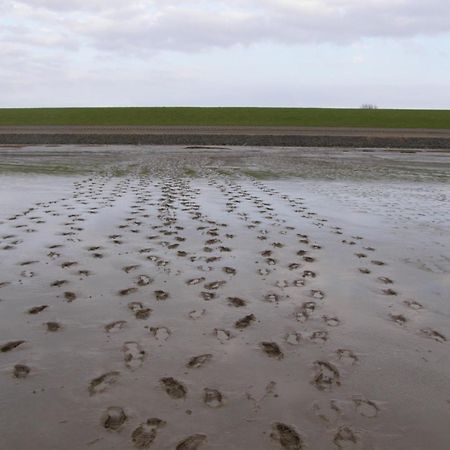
{"x":186,"y":26}
{"x":86,"y":51}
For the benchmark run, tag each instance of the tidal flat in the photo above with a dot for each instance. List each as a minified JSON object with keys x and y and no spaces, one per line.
{"x":226,"y":298}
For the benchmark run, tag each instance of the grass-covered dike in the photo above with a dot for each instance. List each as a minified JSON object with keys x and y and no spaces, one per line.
{"x":302,"y":117}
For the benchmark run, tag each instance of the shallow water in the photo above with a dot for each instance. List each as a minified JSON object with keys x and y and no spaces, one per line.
{"x":341,"y":257}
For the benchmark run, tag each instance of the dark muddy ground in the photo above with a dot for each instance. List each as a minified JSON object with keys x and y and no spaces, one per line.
{"x":159,"y":297}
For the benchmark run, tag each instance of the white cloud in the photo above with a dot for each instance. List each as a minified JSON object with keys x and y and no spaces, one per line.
{"x":195,"y":26}
{"x":74,"y":44}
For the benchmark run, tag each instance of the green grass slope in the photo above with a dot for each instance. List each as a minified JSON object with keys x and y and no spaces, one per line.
{"x":308,"y":117}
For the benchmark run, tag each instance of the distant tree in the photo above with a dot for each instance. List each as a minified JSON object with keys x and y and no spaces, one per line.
{"x":368,"y":106}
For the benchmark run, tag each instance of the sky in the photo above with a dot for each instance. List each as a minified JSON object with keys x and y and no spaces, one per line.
{"x":296,"y":53}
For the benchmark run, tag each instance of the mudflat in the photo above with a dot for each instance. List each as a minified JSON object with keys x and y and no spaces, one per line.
{"x":267,"y":136}
{"x":224,"y":298}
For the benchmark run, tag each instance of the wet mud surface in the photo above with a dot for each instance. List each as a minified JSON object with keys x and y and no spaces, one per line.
{"x":158,"y":297}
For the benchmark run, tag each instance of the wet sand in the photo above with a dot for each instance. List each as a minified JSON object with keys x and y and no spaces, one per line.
{"x":159,"y":297}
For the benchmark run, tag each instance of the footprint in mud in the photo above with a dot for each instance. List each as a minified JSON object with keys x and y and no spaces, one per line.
{"x":161,"y":295}
{"x":329,"y":412}
{"x":222,"y":335}
{"x":207,"y":296}
{"x":212,"y":398}
{"x":347,"y":356}
{"x":319,"y":337}
{"x":193,"y":442}
{"x":27,"y":274}
{"x":326,"y":376}
{"x":272,"y":297}
{"x":305,"y":311}
{"x":37,"y":309}
{"x":237,"y":302}
{"x":114,"y":418}
{"x":195,"y":281}
{"x":103,"y":382}
{"x":21,"y":371}
{"x":229,"y":270}
{"x":199,"y":361}
{"x":245,"y":321}
{"x":84,"y":273}
{"x":366,"y":408}
{"x":143,"y":280}
{"x":389,"y":292}
{"x":139,"y":311}
{"x":263,"y":272}
{"x":68,"y":264}
{"x":197,"y":314}
{"x":413,"y":304}
{"x":331,"y":321}
{"x":53,"y":326}
{"x":53,"y":255}
{"x":293,"y":338}
{"x":128,"y":291}
{"x":385,"y":280}
{"x":10,"y":346}
{"x":27,"y":263}
{"x":308,"y":274}
{"x":345,"y":438}
{"x":309,"y":259}
{"x":144,"y":435}
{"x":214,"y":285}
{"x":129,"y":269}
{"x":378,"y":263}
{"x":133,"y":355}
{"x":70,"y":296}
{"x":438,"y":337}
{"x":115,"y":326}
{"x":173,"y":388}
{"x":287,"y":437}
{"x":58,"y":283}
{"x":272,"y":349}
{"x":160,"y":333}
{"x":399,"y":319}
{"x":317,"y":294}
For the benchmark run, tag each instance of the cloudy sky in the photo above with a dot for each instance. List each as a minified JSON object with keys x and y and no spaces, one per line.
{"x":342,"y":53}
